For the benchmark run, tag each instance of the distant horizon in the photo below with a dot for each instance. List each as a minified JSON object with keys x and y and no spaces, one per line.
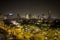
{"x":36,"y":7}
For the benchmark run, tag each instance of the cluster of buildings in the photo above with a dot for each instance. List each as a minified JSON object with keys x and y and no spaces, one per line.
{"x":27,"y":16}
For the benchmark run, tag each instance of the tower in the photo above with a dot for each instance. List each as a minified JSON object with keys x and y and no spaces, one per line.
{"x":28,"y":16}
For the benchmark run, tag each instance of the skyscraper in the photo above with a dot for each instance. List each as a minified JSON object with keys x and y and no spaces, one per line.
{"x":28,"y":16}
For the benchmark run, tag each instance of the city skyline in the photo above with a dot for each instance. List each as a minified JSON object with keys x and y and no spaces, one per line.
{"x":34,"y":7}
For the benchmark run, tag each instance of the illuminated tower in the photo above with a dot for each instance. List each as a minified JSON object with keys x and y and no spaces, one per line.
{"x":28,"y":16}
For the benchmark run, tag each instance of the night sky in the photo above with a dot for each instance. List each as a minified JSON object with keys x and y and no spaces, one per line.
{"x":34,"y":7}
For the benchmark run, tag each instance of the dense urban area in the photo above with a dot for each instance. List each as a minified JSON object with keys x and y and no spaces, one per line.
{"x":29,"y":28}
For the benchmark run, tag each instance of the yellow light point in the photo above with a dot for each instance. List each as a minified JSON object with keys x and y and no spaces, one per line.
{"x":39,"y":20}
{"x":39,"y":37}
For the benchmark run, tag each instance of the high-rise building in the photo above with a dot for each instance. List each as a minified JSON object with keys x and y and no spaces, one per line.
{"x":28,"y":16}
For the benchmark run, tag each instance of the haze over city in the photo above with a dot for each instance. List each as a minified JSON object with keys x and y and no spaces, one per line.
{"x":33,"y":7}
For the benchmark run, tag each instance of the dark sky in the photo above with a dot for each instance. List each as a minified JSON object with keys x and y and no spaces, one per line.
{"x":35,"y":7}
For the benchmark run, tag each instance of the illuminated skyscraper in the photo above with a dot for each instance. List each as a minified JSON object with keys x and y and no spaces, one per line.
{"x":28,"y":16}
